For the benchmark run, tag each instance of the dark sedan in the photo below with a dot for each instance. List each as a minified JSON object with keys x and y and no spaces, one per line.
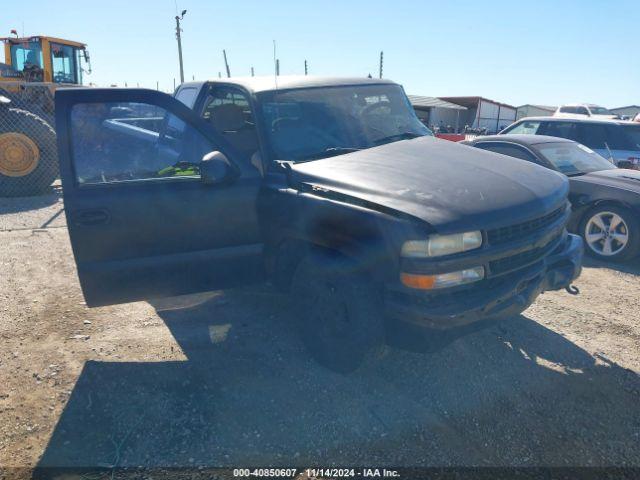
{"x":605,"y":199}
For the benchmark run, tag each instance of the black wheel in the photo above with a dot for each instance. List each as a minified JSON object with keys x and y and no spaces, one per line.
{"x":28,"y":155}
{"x":611,"y":233}
{"x":339,"y":312}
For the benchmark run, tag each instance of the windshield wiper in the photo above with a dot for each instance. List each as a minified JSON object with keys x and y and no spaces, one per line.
{"x":397,"y":136}
{"x":330,"y":152}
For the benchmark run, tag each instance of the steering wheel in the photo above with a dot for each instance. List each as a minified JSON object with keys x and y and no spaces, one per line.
{"x":283,"y":122}
{"x":375,"y":106}
{"x":62,"y":78}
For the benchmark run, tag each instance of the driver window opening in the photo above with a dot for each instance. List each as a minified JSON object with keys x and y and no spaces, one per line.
{"x":229,"y":113}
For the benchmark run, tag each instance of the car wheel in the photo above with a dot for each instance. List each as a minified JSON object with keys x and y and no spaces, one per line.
{"x":339,"y":312}
{"x":611,"y":233}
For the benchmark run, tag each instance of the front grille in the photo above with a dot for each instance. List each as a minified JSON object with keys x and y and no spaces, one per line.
{"x":507,"y":264}
{"x":521,"y":230}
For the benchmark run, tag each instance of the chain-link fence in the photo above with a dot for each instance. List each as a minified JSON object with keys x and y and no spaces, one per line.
{"x":28,"y":153}
{"x":35,"y":98}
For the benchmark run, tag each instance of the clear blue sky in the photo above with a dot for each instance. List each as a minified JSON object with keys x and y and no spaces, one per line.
{"x":542,"y":51}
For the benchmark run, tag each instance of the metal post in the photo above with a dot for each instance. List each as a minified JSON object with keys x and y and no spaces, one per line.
{"x":381,"y":62}
{"x":179,"y":38}
{"x":226,"y":64}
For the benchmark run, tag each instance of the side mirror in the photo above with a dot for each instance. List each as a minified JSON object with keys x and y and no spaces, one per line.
{"x":216,"y":169}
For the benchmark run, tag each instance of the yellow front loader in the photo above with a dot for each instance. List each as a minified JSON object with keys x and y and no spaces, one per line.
{"x":33,"y":69}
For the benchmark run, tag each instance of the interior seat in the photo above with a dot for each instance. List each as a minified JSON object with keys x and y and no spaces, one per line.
{"x":229,"y":120}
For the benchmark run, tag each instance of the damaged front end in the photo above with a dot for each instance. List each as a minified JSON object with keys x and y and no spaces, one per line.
{"x":517,"y":268}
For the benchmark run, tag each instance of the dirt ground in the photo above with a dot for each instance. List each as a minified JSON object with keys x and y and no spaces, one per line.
{"x":220,"y":379}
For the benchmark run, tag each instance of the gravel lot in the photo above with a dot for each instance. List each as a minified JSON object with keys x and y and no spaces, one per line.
{"x":220,"y":379}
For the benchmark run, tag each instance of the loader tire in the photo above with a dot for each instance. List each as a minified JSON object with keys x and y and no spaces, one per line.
{"x":28,"y":154}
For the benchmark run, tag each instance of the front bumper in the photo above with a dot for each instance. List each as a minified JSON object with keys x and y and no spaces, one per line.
{"x":501,"y":297}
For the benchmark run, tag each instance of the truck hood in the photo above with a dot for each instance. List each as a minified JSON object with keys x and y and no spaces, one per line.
{"x":616,"y":178}
{"x":452,"y":187}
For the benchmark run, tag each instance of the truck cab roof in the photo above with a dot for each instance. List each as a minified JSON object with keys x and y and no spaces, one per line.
{"x":268,"y":83}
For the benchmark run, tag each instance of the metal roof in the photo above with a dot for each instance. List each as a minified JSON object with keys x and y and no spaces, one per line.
{"x":541,"y":107}
{"x":622,"y":108}
{"x":432,"y":102}
{"x":472,"y":102}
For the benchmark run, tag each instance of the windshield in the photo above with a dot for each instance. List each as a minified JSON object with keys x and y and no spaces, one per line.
{"x":632,"y":132}
{"x":27,"y":54}
{"x":65,"y":64}
{"x":600,"y":111}
{"x":313,"y":123}
{"x":573,"y":158}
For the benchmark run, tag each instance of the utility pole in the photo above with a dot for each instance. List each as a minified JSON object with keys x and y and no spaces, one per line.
{"x":252,"y":72}
{"x":381,"y":62}
{"x":226,"y":64}
{"x":178,"y":37}
{"x":277,"y":67}
{"x":305,"y":68}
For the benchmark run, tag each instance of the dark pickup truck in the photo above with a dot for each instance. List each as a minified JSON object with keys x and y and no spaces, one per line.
{"x":331,"y":188}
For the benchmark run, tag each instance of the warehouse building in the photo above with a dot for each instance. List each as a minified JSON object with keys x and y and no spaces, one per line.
{"x":435,"y":112}
{"x":628,"y":111}
{"x":484,"y":113}
{"x":529,"y":110}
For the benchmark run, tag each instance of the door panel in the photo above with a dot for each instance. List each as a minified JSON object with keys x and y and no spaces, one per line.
{"x":141,"y":222}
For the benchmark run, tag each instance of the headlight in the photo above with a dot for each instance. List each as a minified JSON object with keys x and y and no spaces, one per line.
{"x":439,"y":245}
{"x":443,"y":280}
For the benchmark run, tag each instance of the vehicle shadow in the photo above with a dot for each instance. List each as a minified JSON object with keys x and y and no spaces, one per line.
{"x":628,"y":266}
{"x":23,"y":204}
{"x":248,"y":394}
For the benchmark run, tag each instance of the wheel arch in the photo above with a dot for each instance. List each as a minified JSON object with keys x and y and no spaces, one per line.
{"x":589,"y":207}
{"x":283,"y":258}
{"x":302,"y":222}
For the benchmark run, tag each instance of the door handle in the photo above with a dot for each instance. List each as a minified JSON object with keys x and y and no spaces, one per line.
{"x":92,"y":217}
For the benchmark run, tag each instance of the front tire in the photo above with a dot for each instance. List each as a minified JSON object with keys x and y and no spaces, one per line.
{"x":28,"y":156}
{"x":611,"y":233}
{"x":339,"y":312}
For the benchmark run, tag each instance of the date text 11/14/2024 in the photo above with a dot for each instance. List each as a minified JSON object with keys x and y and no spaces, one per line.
{"x":316,"y":472}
